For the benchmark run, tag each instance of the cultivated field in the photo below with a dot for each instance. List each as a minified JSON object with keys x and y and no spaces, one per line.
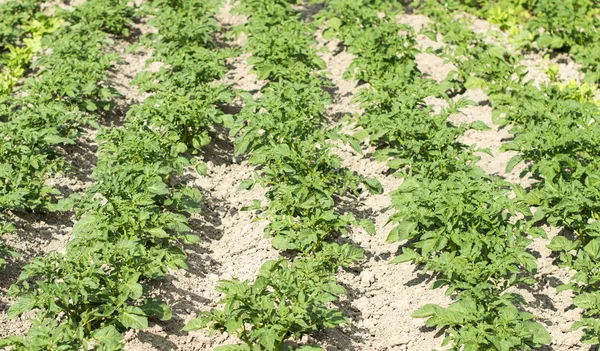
{"x":270,"y":175}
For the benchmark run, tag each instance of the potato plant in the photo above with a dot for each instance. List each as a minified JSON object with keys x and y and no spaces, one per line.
{"x":284,"y":133}
{"x":555,"y":132}
{"x":452,"y":219}
{"x":131,"y":223}
{"x":469,"y":231}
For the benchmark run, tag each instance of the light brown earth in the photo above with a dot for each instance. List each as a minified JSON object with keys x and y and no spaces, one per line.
{"x":381,"y":297}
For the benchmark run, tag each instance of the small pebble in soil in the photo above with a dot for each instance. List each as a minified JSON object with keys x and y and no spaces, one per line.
{"x":367,"y":278}
{"x":565,"y":327}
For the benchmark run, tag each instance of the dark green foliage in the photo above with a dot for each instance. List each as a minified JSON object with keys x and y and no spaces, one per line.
{"x":131,"y":225}
{"x":110,"y":16}
{"x":14,"y":15}
{"x":460,"y":224}
{"x":285,"y":133}
{"x":287,"y":300}
{"x":555,"y":128}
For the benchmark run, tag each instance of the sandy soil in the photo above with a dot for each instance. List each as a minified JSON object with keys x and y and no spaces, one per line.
{"x":381,"y":297}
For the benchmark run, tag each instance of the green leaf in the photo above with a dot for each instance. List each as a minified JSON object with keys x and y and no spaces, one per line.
{"x":368,"y":226}
{"x":373,"y":185}
{"x":537,"y":232}
{"x":5,"y":170}
{"x":54,"y":139}
{"x":157,"y":309}
{"x":513,"y":162}
{"x":191,"y":239}
{"x":409,"y":185}
{"x":355,"y":144}
{"x":407,"y":255}
{"x":282,"y":243}
{"x":267,"y":337}
{"x":195,"y":324}
{"x":401,"y":232}
{"x":158,"y":233}
{"x":65,"y":204}
{"x":202,"y":169}
{"x":310,"y":348}
{"x":475,"y":83}
{"x":136,"y":290}
{"x":334,"y":23}
{"x":233,"y":348}
{"x":329,"y":33}
{"x":90,"y":106}
{"x":246,"y":184}
{"x":245,"y":95}
{"x":539,"y":333}
{"x":561,"y":243}
{"x":587,"y":300}
{"x":109,"y":337}
{"x":593,"y":248}
{"x":134,"y":318}
{"x":426,"y":311}
{"x":24,"y":303}
{"x":361,"y":135}
{"x":159,"y":188}
{"x":550,"y":41}
{"x":479,"y":125}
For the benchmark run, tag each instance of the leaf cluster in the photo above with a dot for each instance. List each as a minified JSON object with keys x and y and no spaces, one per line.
{"x":284,"y":131}
{"x":131,"y":224}
{"x":555,"y":132}
{"x":287,"y":300}
{"x":15,"y":16}
{"x":563,"y":26}
{"x":450,"y":217}
{"x":51,"y":109}
{"x":184,"y":92}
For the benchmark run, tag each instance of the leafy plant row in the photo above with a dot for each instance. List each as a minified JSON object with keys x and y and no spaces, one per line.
{"x":21,"y":32}
{"x":285,"y":133}
{"x":50,"y":110}
{"x":559,"y":142}
{"x":132,"y":222}
{"x":457,"y":222}
{"x":561,"y":26}
{"x":11,"y":33}
{"x":20,"y":35}
{"x":555,"y":127}
{"x":16,"y":15}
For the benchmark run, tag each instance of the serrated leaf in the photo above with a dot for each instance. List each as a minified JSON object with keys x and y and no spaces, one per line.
{"x":24,"y":304}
